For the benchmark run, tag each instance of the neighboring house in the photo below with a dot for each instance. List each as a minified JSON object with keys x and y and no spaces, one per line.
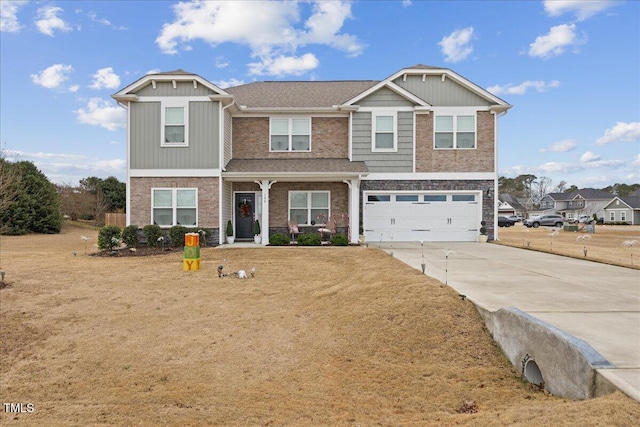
{"x":587,"y":201}
{"x":509,"y":205}
{"x":623,"y":209}
{"x":408,"y":158}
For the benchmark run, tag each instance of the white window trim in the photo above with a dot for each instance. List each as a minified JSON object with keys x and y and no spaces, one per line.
{"x":290,"y":130}
{"x":174,"y":205}
{"x":174,"y":103}
{"x":455,"y":115}
{"x":309,"y":207}
{"x":394,"y":115}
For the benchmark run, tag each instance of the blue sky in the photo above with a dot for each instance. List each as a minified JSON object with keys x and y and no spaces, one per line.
{"x":571,"y":70}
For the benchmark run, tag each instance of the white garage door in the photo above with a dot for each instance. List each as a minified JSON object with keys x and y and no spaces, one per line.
{"x":453,"y":217}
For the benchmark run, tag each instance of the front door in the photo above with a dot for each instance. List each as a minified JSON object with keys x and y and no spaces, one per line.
{"x":244,"y":213}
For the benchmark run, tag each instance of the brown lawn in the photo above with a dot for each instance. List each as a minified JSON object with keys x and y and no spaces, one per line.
{"x":321,"y":336}
{"x":608,"y":244}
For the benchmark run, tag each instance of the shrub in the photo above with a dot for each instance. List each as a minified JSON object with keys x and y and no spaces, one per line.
{"x":309,"y":239}
{"x":130,"y":236}
{"x":279,"y":239}
{"x":339,"y":240}
{"x":176,"y":235}
{"x":109,"y":237}
{"x":152,"y":233}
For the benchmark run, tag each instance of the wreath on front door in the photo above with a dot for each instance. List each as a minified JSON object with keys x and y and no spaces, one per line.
{"x":244,"y":209}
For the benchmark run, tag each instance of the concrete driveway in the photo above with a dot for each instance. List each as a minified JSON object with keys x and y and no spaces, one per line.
{"x":595,"y":302}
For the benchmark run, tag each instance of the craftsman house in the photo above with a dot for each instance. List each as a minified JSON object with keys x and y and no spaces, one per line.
{"x":587,"y":201}
{"x":408,"y":158}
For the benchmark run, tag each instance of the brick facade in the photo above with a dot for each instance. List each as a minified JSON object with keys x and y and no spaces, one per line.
{"x":329,"y":139}
{"x":208,"y":199}
{"x":481,"y":159}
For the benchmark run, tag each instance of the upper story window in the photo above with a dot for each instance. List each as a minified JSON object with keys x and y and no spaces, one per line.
{"x":455,"y":131}
{"x":174,"y":206}
{"x":384,"y":132}
{"x":290,"y":134}
{"x":175,"y":132}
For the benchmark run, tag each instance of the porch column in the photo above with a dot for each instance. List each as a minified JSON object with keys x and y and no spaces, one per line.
{"x":265,"y":185}
{"x":354,"y":209}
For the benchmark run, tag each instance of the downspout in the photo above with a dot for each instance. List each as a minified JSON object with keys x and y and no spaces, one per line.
{"x":495,"y":179}
{"x":128,"y":145}
{"x":221,"y":224}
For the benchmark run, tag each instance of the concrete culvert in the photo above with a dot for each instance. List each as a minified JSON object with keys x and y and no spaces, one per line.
{"x":532,"y":373}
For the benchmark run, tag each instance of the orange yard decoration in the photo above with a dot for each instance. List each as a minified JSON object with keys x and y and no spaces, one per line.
{"x":191,"y":261}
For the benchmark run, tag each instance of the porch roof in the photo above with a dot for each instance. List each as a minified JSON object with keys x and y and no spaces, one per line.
{"x":294,"y":169}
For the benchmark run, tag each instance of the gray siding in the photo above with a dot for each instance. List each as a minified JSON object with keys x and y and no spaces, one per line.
{"x":182,"y":89}
{"x":440,"y":93}
{"x":228,"y":142}
{"x":385,"y":97}
{"x":203,"y":151}
{"x":400,"y":161}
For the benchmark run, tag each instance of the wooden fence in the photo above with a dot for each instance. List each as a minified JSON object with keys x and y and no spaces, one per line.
{"x":119,"y":219}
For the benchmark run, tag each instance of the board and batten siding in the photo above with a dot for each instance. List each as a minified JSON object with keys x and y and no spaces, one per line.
{"x":203,"y":151}
{"x":440,"y":93}
{"x":400,"y":161}
{"x":385,"y":97}
{"x":182,"y":89}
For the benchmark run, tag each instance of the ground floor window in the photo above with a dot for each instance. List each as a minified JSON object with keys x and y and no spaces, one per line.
{"x":174,"y":206}
{"x":309,"y":207}
{"x":612,"y":216}
{"x":623,"y":216}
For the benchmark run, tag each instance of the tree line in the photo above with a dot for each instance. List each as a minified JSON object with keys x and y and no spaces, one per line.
{"x":30,"y":203}
{"x":531,"y":186}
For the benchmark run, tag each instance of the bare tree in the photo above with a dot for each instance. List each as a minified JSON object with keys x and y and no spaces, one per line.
{"x":560,"y":187}
{"x":541,"y":188}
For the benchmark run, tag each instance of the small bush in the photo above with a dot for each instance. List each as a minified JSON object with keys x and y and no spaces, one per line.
{"x":130,"y":236}
{"x":152,"y":233}
{"x":176,"y":235}
{"x":279,"y":239}
{"x":339,"y":240}
{"x":109,"y":237}
{"x":309,"y":239}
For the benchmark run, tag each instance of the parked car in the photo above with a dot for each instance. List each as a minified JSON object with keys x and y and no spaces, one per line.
{"x":547,"y":220}
{"x":582,"y":219}
{"x":504,"y":221}
{"x":515,"y":218}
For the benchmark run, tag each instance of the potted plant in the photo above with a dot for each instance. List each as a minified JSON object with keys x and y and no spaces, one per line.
{"x":230,"y":237}
{"x":256,"y":232}
{"x":483,"y":233}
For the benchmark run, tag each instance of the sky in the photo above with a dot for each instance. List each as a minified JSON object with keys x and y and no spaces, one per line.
{"x":571,"y":70}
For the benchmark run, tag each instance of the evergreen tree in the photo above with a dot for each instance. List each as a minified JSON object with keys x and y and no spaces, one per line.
{"x":36,"y":207}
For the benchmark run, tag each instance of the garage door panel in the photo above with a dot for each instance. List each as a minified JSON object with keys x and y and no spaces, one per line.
{"x":421,"y":221}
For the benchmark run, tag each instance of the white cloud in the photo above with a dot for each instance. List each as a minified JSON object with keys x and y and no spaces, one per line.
{"x":284,"y":65}
{"x":105,"y":78}
{"x":221,"y":62}
{"x":562,"y":146}
{"x":556,"y":41}
{"x":580,"y":8}
{"x":99,"y":112}
{"x":94,"y":17}
{"x":53,"y":76}
{"x":589,"y":157}
{"x":223,"y":84}
{"x":636,"y":162}
{"x":626,"y":132}
{"x":406,"y":3}
{"x":9,"y":16}
{"x":521,"y":89}
{"x":457,"y":46}
{"x":48,"y":20}
{"x":271,"y":29}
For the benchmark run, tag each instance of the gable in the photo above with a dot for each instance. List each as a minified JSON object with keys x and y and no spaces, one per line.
{"x":385,"y":97}
{"x":441,"y":92}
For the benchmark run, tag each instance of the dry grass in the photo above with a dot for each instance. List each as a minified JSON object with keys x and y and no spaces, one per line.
{"x":321,"y":336}
{"x":605,"y":245}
